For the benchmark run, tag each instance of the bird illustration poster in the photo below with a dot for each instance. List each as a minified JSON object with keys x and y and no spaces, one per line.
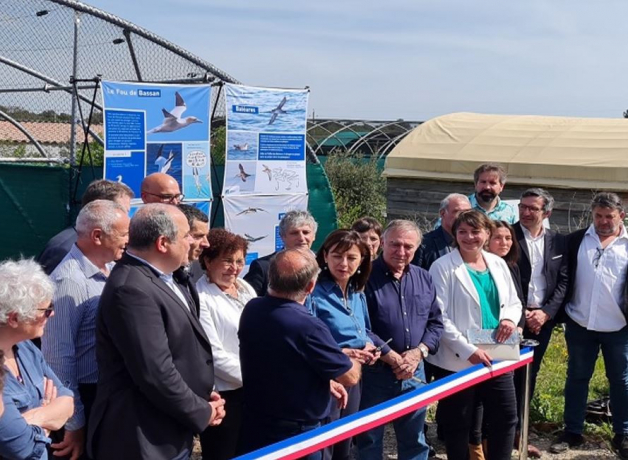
{"x":158,"y":128}
{"x":265,"y":140}
{"x":256,"y":218}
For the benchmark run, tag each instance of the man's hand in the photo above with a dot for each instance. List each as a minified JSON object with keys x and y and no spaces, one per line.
{"x":73,"y":444}
{"x":393,"y":359}
{"x":480,"y":357}
{"x":505,"y":330}
{"x":373,"y":352}
{"x":535,"y":319}
{"x":339,"y":392}
{"x":361,"y":356}
{"x":218,"y":409}
{"x":409,"y":364}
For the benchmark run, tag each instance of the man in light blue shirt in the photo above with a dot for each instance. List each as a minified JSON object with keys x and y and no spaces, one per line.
{"x":69,"y":343}
{"x":489,"y":180}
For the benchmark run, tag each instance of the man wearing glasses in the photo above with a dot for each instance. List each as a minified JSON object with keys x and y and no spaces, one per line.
{"x":596,"y":319}
{"x":543,"y":268}
{"x":69,"y":344}
{"x":161,"y":188}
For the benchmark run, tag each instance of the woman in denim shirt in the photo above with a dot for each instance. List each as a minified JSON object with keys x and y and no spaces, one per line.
{"x":338,"y":300}
{"x":35,"y":401}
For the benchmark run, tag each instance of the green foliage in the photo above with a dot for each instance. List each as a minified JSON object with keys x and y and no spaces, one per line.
{"x":549,"y":399}
{"x":358,"y":187}
{"x":20,"y":152}
{"x":218,"y":145}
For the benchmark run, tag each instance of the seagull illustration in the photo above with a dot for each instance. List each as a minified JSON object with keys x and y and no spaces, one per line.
{"x":267,"y":171}
{"x":162,"y":162}
{"x":242,"y":175}
{"x":197,"y":180}
{"x":252,"y":239}
{"x":241,"y":147}
{"x":277,"y":111}
{"x":251,"y":211}
{"x":172,"y":120}
{"x":119,"y":178}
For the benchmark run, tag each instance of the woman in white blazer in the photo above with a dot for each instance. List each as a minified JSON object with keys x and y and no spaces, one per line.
{"x":476,"y":291}
{"x":222,"y":296}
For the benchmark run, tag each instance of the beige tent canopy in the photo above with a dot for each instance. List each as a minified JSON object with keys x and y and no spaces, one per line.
{"x":583,"y":153}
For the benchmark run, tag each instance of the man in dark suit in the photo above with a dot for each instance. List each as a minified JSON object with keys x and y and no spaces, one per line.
{"x":155,"y":361}
{"x":297,"y":229}
{"x":439,"y":242}
{"x":543,"y":268}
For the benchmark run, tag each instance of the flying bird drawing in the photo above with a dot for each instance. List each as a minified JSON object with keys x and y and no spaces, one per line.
{"x":163,"y":163}
{"x":173,"y":120}
{"x":251,"y":211}
{"x":243,"y":174}
{"x":197,"y":180}
{"x":267,"y":170}
{"x":252,"y":239}
{"x":277,"y":111}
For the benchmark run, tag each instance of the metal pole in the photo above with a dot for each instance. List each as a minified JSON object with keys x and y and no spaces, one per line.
{"x":77,"y":21}
{"x":525,"y":404}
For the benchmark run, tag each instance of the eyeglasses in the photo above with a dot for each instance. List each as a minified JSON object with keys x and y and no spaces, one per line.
{"x":597,"y":256}
{"x":232,"y":262}
{"x":47,"y":311}
{"x":523,"y":207}
{"x":168,"y":198}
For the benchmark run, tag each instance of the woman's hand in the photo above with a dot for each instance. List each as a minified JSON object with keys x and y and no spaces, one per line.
{"x":505,"y":330}
{"x":361,"y":356}
{"x":50,"y":392}
{"x":373,"y":352}
{"x":479,"y":356}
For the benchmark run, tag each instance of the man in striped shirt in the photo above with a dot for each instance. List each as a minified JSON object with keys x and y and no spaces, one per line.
{"x":69,"y":344}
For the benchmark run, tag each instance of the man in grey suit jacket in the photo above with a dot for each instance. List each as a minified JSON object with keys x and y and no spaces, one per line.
{"x":543,"y":268}
{"x":155,"y":361}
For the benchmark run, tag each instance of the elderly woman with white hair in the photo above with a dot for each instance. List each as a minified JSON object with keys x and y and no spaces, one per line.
{"x":35,"y":401}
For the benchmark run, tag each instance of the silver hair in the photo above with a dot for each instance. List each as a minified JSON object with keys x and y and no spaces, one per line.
{"x":459,"y":196}
{"x":294,"y":219}
{"x":98,"y":214}
{"x":149,"y":223}
{"x":607,"y":200}
{"x":403,"y":225}
{"x":548,"y":200}
{"x":23,"y":288}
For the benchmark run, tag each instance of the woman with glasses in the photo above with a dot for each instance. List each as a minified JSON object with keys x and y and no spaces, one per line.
{"x":476,"y":291}
{"x":35,"y":401}
{"x":222,"y":296}
{"x":338,"y":300}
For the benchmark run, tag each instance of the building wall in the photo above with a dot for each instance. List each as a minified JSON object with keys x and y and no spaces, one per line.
{"x":418,"y":199}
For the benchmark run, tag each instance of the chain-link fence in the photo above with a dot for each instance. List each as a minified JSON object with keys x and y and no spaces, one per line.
{"x":45,"y":45}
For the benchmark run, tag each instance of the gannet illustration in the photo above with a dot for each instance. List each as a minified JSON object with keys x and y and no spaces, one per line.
{"x":277,"y":111}
{"x":119,"y":178}
{"x":252,"y":239}
{"x":241,"y":147}
{"x":243,"y":175}
{"x":251,"y":211}
{"x":267,"y":171}
{"x":162,"y":162}
{"x":197,"y":180}
{"x":172,"y":120}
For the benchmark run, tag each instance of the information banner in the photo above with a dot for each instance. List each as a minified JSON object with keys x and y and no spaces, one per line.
{"x":265,"y":141}
{"x":158,"y":128}
{"x":257,"y":217}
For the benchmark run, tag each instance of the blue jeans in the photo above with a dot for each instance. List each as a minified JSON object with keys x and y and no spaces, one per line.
{"x":379,"y":384}
{"x":584,"y":346}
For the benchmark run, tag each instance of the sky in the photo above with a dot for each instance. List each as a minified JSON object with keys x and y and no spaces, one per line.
{"x":409,"y":59}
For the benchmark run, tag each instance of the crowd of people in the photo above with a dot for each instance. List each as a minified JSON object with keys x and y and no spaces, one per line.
{"x":129,"y":336}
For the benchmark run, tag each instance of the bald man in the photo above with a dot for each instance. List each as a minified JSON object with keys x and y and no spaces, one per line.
{"x":161,"y":188}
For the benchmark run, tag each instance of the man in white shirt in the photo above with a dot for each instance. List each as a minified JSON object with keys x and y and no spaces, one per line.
{"x":596,"y":319}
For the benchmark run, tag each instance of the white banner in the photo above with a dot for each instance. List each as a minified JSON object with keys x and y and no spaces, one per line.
{"x":265,"y":141}
{"x":257,"y":217}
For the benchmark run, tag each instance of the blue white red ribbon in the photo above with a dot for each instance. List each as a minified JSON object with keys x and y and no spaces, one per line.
{"x":347,"y":427}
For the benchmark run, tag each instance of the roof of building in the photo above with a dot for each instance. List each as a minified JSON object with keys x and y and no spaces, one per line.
{"x":541,"y":150}
{"x":45,"y":133}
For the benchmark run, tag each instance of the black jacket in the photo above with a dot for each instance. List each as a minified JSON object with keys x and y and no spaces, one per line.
{"x":257,"y":276}
{"x":435,"y":245}
{"x":155,"y":369}
{"x":555,"y":269}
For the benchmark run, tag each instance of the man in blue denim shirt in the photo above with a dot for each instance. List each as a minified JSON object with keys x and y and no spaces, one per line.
{"x":403,"y":307}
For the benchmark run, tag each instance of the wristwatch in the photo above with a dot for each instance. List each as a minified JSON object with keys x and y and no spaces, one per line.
{"x":424,"y":350}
